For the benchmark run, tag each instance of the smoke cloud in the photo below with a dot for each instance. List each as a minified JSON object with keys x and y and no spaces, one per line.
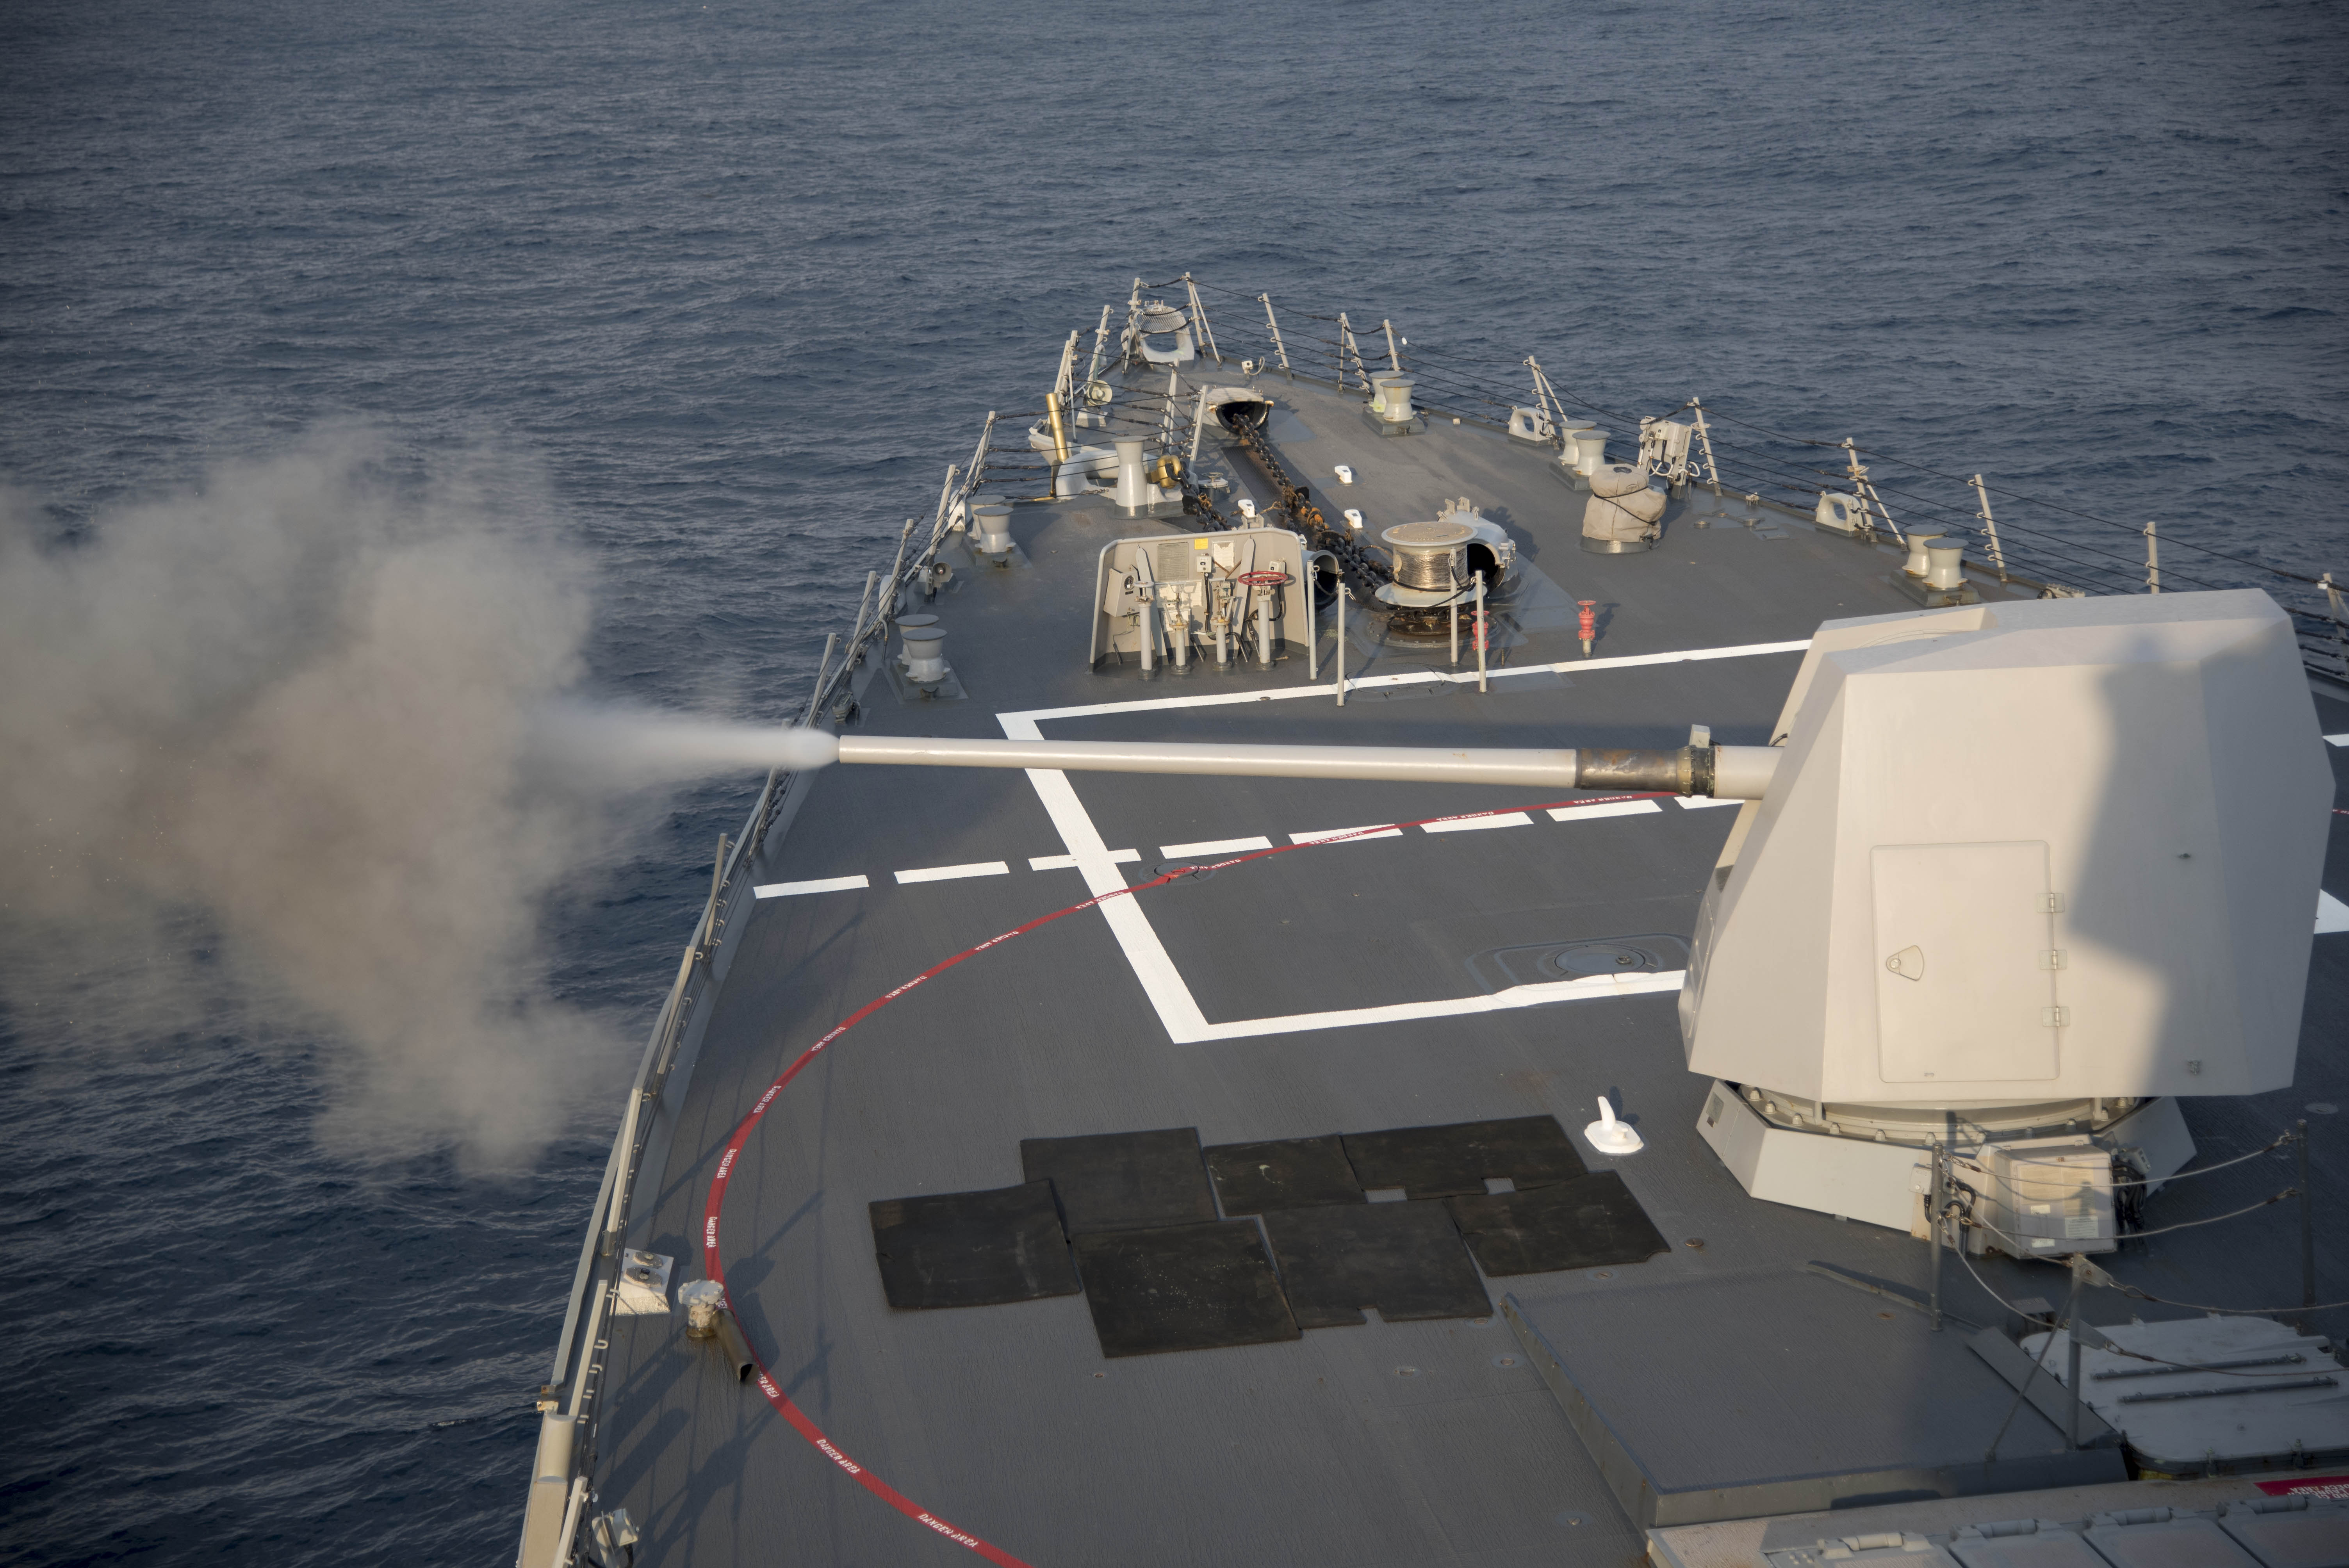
{"x":308,"y":702}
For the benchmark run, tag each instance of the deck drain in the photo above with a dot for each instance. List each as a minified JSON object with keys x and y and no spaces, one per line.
{"x":1406,"y":1371}
{"x":1184,"y":871}
{"x":1571,"y":1519}
{"x":2321,"y":1108}
{"x":1505,"y":1361}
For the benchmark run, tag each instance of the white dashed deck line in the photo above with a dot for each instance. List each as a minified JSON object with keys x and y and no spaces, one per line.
{"x":1469,"y":824}
{"x":1611,"y":809}
{"x":1068,"y":862}
{"x":2336,"y":740}
{"x":792,"y":889}
{"x":1350,"y":835}
{"x":1212,"y":847}
{"x":2332,"y":914}
{"x":954,"y":873}
{"x":1698,"y":803}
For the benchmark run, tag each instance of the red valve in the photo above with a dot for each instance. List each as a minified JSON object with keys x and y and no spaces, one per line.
{"x":1585,"y":611}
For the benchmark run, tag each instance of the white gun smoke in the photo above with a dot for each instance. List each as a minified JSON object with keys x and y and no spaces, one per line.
{"x":328,"y":711}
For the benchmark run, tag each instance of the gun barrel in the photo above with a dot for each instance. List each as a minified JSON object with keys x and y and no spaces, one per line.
{"x":1738,"y":773}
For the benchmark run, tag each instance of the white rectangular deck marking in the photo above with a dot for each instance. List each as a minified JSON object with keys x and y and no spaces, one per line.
{"x":1698,"y":803}
{"x":2336,"y":740}
{"x":1611,"y":809}
{"x":1177,"y":1010}
{"x":953,"y":874}
{"x":1352,"y":835}
{"x":1068,"y":862}
{"x":1469,"y":824}
{"x":2332,"y":914}
{"x":1212,"y":847}
{"x":792,"y":889}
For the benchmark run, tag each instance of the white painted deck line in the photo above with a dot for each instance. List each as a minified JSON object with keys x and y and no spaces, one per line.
{"x":1611,"y":809}
{"x":1469,"y":824}
{"x":792,"y":889}
{"x":1068,"y":862}
{"x":954,"y":873}
{"x":2332,"y":914}
{"x":1372,"y":683}
{"x":1212,"y":847}
{"x":2336,"y":740}
{"x":1178,"y":1011}
{"x":1698,"y":803}
{"x":1352,"y":835}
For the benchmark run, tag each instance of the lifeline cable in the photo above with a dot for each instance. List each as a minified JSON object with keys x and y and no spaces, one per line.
{"x":2051,"y":1325}
{"x":714,"y":1265}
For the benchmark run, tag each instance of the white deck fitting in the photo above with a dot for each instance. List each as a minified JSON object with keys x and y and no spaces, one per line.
{"x":825,"y":884}
{"x":1212,"y":847}
{"x":1469,"y":824}
{"x":954,"y":873}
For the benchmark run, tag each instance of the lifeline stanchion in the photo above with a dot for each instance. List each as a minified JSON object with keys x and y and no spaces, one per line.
{"x":1480,"y":633}
{"x":1341,"y":642}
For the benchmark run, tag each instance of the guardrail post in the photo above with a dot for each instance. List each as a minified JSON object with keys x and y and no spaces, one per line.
{"x":1483,"y":632}
{"x":1277,"y":347}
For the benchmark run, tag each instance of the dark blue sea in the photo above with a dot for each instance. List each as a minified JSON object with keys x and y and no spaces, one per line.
{"x":692,"y":304}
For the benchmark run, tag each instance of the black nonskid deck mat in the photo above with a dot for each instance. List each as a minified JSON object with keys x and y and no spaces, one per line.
{"x":1405,"y":1259}
{"x":972,"y":1249}
{"x":1584,"y":1223}
{"x":1123,"y":1180}
{"x":1290,"y":1173}
{"x":1182,"y":1288}
{"x":1450,"y":1162}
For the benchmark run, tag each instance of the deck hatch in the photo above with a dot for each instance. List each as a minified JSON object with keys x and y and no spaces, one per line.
{"x":972,"y":1249}
{"x":1454,"y":1160}
{"x":1587,"y":1223}
{"x":1123,"y":1180}
{"x":1405,"y":1259}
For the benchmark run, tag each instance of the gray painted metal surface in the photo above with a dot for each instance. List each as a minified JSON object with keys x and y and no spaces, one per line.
{"x":1344,"y":986}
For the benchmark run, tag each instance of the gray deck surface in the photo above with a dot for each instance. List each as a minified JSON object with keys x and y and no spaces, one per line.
{"x":1420,"y":1443}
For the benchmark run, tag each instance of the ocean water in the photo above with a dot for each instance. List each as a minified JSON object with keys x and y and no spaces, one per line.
{"x":730,"y":284}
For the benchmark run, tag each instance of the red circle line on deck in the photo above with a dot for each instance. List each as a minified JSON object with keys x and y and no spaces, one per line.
{"x":715,"y":1265}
